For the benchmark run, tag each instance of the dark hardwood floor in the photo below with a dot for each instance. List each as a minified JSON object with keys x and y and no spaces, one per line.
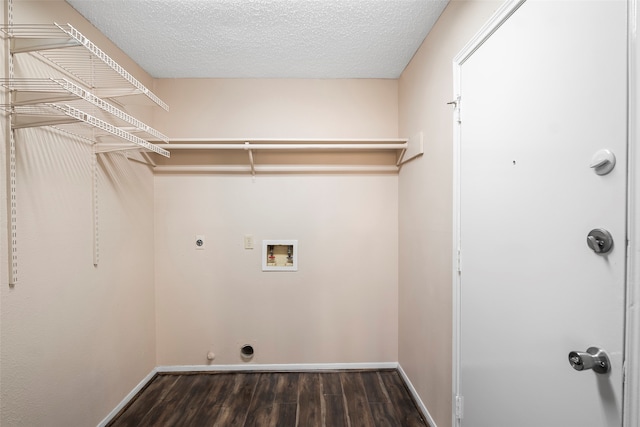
{"x":272,"y":399}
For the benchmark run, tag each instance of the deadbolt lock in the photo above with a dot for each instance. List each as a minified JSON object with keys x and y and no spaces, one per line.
{"x":600,"y":240}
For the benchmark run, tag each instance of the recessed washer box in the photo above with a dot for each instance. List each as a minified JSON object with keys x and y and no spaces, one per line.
{"x":279,"y":255}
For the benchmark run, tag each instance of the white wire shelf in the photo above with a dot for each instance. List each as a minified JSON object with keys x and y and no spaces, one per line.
{"x":66,"y":48}
{"x":24,"y":116}
{"x":37,"y":91}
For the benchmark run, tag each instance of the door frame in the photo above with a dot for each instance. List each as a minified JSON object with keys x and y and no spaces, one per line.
{"x":631,"y":375}
{"x":631,"y":391}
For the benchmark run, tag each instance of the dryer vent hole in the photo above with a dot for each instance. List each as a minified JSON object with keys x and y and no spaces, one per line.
{"x":246,"y":351}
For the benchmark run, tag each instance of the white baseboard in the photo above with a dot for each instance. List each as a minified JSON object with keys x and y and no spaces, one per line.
{"x":127,"y":398}
{"x":416,"y":397}
{"x":295,"y":367}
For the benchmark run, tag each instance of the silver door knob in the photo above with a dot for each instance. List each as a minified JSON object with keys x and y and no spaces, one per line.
{"x":600,"y":240}
{"x":594,"y":358}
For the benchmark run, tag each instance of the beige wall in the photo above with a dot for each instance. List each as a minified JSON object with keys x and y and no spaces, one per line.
{"x":75,"y":338}
{"x":425,"y":207}
{"x":278,"y":108}
{"x":341,"y":306}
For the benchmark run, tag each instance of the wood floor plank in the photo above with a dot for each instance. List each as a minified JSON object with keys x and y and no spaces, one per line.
{"x":206,"y":416}
{"x":160,"y":414}
{"x":373,"y":387}
{"x":334,"y":414}
{"x":309,"y":403}
{"x":286,"y":415}
{"x":234,"y":410}
{"x":405,"y":408}
{"x":357,"y":407}
{"x":331,"y":383}
{"x":262,"y":416}
{"x":215,"y":396}
{"x":283,"y":410}
{"x":287,"y":387}
{"x":384,"y":415}
{"x":150,"y":396}
{"x":189,"y":404}
{"x":261,"y":410}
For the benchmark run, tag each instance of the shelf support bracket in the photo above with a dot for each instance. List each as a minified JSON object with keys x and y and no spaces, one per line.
{"x":251,"y":162}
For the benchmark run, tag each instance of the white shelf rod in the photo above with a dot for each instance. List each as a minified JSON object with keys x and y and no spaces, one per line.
{"x":279,"y":168}
{"x":290,"y":140}
{"x":292,"y":146}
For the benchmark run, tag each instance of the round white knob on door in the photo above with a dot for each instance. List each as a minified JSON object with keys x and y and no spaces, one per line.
{"x":603,"y":162}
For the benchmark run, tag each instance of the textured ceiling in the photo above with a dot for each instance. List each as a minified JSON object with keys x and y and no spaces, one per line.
{"x":266,"y":38}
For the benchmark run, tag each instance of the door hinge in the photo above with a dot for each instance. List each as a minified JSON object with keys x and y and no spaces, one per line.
{"x":459,"y":262}
{"x":459,"y":407}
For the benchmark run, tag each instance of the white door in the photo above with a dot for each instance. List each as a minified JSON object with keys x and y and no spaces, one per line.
{"x":539,"y":98}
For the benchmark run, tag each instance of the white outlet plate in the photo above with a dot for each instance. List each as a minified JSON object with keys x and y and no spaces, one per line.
{"x":200,"y":242}
{"x":248,"y":241}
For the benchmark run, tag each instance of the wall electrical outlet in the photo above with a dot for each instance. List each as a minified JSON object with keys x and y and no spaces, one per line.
{"x":200,"y":242}
{"x":248,"y":241}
